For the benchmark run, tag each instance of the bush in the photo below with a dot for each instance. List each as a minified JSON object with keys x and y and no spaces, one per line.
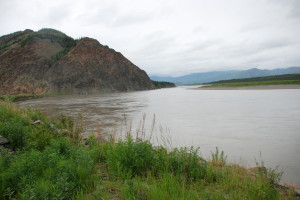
{"x":186,"y":161}
{"x":56,"y":172}
{"x":46,"y":164}
{"x":130,"y":158}
{"x":13,"y":126}
{"x":134,"y":158}
{"x":14,"y":132}
{"x":182,"y":162}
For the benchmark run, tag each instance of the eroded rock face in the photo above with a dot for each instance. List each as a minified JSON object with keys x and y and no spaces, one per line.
{"x":3,"y":141}
{"x":44,"y":62}
{"x":22,"y":68}
{"x":91,"y":67}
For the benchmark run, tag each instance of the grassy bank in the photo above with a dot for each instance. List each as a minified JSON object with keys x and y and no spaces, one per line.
{"x":22,"y":97}
{"x":288,"y":79}
{"x":284,"y":77}
{"x":258,"y":83}
{"x":47,"y":163}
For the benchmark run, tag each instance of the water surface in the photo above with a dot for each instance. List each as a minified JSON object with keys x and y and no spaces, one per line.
{"x":243,"y":123}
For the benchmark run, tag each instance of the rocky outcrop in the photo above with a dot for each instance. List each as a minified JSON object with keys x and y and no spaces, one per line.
{"x":3,"y":142}
{"x":49,"y":61}
{"x":91,"y":67}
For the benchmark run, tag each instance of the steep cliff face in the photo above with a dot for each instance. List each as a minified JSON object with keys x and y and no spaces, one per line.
{"x":90,"y":66}
{"x":48,"y":61}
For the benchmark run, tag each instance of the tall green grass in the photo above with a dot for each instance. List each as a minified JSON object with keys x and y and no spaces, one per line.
{"x":48,"y":164}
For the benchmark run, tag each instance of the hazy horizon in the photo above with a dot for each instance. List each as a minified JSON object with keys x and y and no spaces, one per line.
{"x":173,"y":38}
{"x":223,"y":70}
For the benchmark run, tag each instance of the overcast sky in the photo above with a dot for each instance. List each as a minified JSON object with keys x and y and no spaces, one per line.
{"x":172,"y":37}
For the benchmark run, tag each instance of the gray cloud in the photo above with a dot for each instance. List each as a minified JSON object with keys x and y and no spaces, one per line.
{"x":295,"y":10}
{"x":131,"y":19}
{"x":55,"y":15}
{"x":104,"y":15}
{"x":173,"y":37}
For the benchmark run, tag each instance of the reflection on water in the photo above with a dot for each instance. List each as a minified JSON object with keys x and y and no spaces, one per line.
{"x":101,"y":113}
{"x":243,"y":123}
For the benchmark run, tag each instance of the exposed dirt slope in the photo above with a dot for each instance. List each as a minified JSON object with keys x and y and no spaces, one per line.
{"x":49,"y":61}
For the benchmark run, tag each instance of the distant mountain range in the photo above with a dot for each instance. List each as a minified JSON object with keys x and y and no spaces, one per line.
{"x":226,"y":75}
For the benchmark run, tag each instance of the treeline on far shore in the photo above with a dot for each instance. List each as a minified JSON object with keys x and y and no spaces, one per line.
{"x":163,"y":84}
{"x":266,"y":78}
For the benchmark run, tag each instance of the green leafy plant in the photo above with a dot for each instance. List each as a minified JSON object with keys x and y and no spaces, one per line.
{"x":218,"y":158}
{"x":130,"y":158}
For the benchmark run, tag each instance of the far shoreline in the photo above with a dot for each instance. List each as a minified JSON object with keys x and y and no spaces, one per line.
{"x":260,"y":87}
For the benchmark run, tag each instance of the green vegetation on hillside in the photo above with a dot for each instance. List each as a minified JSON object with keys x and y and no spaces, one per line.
{"x":163,"y":84}
{"x":55,"y":36}
{"x":10,"y":39}
{"x":55,"y":163}
{"x":288,"y":79}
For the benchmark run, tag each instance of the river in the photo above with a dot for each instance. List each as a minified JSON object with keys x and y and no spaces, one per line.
{"x":248,"y":125}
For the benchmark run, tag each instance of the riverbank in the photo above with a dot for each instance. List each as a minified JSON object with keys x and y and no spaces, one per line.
{"x":288,"y":81}
{"x":48,"y":159}
{"x":23,"y":97}
{"x":163,"y":84}
{"x":259,"y":87}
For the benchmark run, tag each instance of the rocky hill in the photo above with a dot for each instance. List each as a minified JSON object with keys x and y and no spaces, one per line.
{"x":48,"y":61}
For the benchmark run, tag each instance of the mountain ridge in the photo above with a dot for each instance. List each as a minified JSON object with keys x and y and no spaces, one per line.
{"x":206,"y":77}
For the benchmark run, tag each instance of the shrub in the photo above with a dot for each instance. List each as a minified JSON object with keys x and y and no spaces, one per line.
{"x":14,"y":132}
{"x":129,"y":158}
{"x":186,"y":161}
{"x":56,"y":172}
{"x":13,"y":126}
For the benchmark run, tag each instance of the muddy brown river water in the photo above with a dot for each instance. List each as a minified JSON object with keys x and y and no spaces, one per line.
{"x":248,"y":125}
